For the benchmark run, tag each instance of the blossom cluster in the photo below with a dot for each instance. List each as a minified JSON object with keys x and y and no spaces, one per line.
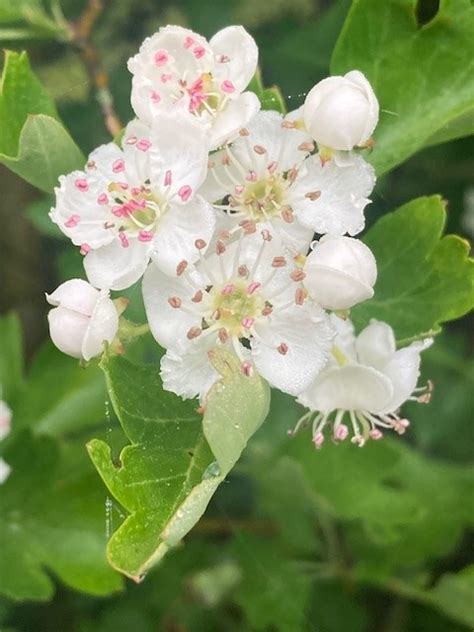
{"x":241,"y":225}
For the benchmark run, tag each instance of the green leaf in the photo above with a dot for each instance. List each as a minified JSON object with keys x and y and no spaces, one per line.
{"x":52,"y":514}
{"x":270,"y":98}
{"x":454,"y":595}
{"x":38,"y":213}
{"x":423,"y":280}
{"x":61,"y":396}
{"x":33,"y":144}
{"x":422,"y":76}
{"x":11,"y":358}
{"x":174,"y":463}
{"x":273,"y":591}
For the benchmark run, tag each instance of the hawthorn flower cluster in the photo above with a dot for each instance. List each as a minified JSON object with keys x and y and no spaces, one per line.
{"x":241,"y":225}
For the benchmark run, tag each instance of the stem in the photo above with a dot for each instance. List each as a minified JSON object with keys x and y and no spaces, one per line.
{"x":81,"y":32}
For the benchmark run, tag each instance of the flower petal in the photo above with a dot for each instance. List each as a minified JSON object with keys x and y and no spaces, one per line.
{"x":351,"y":387}
{"x":404,"y":370}
{"x":239,"y":53}
{"x":168,"y":324}
{"x":75,"y":294}
{"x":306,"y":335}
{"x":67,"y":328}
{"x":116,"y":268}
{"x":187,"y":371}
{"x":103,"y":326}
{"x":178,"y":231}
{"x":236,"y":114}
{"x":376,"y":345}
{"x":343,"y":195}
{"x":178,"y":155}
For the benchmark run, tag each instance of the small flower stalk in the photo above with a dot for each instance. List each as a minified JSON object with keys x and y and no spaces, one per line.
{"x":241,"y":226}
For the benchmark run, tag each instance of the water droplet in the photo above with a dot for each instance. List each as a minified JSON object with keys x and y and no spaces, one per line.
{"x":212,"y":471}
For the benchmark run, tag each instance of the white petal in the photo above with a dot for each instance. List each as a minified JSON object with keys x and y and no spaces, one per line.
{"x":80,"y":205}
{"x":5,"y":470}
{"x":103,"y":327}
{"x":169,"y":325}
{"x":105,"y":160}
{"x":376,"y":344}
{"x":179,"y":146}
{"x":5,"y":420}
{"x":187,"y":371}
{"x":67,"y":330}
{"x":404,"y":370}
{"x":308,"y":336}
{"x":344,"y":190}
{"x":373,"y":110}
{"x":232,"y":118}
{"x":281,"y":143}
{"x":76,"y":295}
{"x":345,"y":337}
{"x":241,"y":50}
{"x":116,"y":268}
{"x":178,"y":231}
{"x":350,"y":387}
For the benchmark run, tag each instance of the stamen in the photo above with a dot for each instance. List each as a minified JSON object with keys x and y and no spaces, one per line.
{"x":313,"y":195}
{"x":194,"y":332}
{"x":297,"y":275}
{"x":174,"y":301}
{"x":197,"y":298}
{"x":223,"y":335}
{"x":200,"y":244}
{"x":278,"y":262}
{"x":258,"y":149}
{"x":282,"y":348}
{"x":300,"y":296}
{"x":181,"y":267}
{"x":247,"y":368}
{"x":287,"y":215}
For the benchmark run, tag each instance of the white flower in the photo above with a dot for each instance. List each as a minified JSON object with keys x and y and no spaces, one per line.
{"x":83,"y":319}
{"x":269,"y":178}
{"x":365,"y":381}
{"x":5,"y":427}
{"x":177,"y":69}
{"x":5,"y":470}
{"x":252,"y":303}
{"x":5,"y":420}
{"x":137,"y":202}
{"x":340,"y":272}
{"x":341,"y":112}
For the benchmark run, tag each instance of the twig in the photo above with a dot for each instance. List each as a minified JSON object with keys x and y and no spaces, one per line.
{"x":81,"y":32}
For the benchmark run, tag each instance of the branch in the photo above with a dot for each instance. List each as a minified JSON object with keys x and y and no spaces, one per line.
{"x":81,"y":40}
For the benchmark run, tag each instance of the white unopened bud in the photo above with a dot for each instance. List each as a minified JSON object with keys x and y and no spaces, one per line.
{"x":83,"y":318}
{"x":5,"y":420}
{"x":341,"y":112}
{"x":340,"y":272}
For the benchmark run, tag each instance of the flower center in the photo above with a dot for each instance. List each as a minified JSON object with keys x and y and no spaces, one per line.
{"x":136,"y":212}
{"x":261,"y":200}
{"x":236,"y":305}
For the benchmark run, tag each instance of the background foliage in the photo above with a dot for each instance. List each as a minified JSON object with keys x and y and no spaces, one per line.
{"x":292,"y":540}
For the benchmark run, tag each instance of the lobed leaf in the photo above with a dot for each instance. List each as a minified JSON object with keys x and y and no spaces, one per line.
{"x":424,"y":279}
{"x":174,"y":463}
{"x":423,"y":75}
{"x":34,"y":144}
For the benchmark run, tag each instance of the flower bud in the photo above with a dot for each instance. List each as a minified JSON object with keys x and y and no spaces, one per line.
{"x":340,"y":272}
{"x":341,"y":112}
{"x":5,"y":420}
{"x":83,"y":318}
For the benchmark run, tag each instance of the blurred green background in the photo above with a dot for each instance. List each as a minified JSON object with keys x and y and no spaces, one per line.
{"x":253,"y":563}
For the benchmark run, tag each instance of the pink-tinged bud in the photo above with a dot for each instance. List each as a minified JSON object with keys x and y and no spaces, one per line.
{"x":5,"y":420}
{"x":83,"y":319}
{"x":340,"y":272}
{"x":341,"y":112}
